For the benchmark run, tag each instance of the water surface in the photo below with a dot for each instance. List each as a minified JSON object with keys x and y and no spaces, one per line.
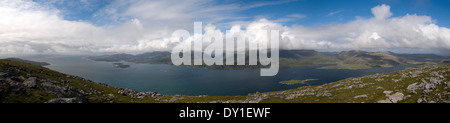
{"x":183,"y":80}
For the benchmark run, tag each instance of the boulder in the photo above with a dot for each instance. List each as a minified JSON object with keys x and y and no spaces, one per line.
{"x":55,"y":89}
{"x":73,"y":92}
{"x":412,"y":88}
{"x":21,"y":78}
{"x":387,"y":92}
{"x":361,"y":96}
{"x":30,"y":82}
{"x":396,"y":97}
{"x":435,"y":81}
{"x":448,"y":84}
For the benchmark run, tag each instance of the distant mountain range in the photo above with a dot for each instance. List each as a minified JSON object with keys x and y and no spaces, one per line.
{"x":354,"y":59}
{"x":151,"y":57}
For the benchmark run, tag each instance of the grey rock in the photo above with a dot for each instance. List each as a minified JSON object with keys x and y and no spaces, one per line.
{"x":412,"y":88}
{"x":21,"y":78}
{"x":387,"y":92}
{"x":73,"y":92}
{"x":361,"y":96}
{"x":13,"y":79}
{"x":420,"y":100}
{"x":324,"y":93}
{"x":384,"y":101}
{"x":137,"y":94}
{"x":52,"y":81}
{"x":435,"y":81}
{"x":349,"y":87}
{"x":309,"y":94}
{"x":396,"y":97}
{"x":111,"y":95}
{"x":55,"y":89}
{"x":2,"y":74}
{"x":173,"y":100}
{"x":16,"y":87}
{"x":217,"y":101}
{"x":429,"y":86}
{"x":30,"y":82}
{"x":379,"y":79}
{"x":65,"y":100}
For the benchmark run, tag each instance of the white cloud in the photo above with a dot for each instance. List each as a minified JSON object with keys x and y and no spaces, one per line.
{"x":296,"y":16}
{"x":379,"y":32}
{"x":335,"y":12}
{"x":25,"y":21}
{"x":28,"y":27}
{"x":381,"y":12}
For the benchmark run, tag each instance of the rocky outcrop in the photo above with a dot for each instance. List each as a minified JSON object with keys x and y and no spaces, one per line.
{"x":65,"y":92}
{"x":16,"y":87}
{"x":137,"y":94}
{"x":30,"y":82}
{"x":413,"y":87}
{"x":394,"y":98}
{"x":65,"y":100}
{"x":21,"y":81}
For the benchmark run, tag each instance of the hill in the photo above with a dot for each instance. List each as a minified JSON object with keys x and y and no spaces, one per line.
{"x":26,"y":83}
{"x":354,"y":59}
{"x":29,"y":62}
{"x":150,"y":57}
{"x":361,"y":59}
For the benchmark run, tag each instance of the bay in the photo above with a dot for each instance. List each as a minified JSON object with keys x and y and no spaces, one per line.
{"x":183,"y":80}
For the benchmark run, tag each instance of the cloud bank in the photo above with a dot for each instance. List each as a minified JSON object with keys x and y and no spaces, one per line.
{"x":136,"y":27}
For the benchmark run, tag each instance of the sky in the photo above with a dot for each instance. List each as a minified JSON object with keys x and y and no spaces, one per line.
{"x":137,"y":26}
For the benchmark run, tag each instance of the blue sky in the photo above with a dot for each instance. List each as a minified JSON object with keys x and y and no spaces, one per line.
{"x":136,"y":26}
{"x":316,"y":12}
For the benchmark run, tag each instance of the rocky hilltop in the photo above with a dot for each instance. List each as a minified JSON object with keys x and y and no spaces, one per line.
{"x":26,"y":83}
{"x":21,"y":82}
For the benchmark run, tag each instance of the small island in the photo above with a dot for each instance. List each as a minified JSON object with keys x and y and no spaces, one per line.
{"x":293,"y":82}
{"x":120,"y":65}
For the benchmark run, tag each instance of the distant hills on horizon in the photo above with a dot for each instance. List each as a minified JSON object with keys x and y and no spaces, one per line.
{"x":353,"y":59}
